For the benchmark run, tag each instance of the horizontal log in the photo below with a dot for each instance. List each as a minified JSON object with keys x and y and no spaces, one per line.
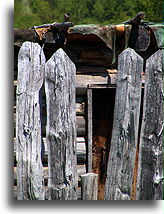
{"x":81,"y":151}
{"x":82,"y":82}
{"x":83,"y":54}
{"x":80,"y":105}
{"x":22,"y":35}
{"x":81,"y":126}
{"x":80,"y":99}
{"x":80,"y":109}
{"x":56,"y":26}
{"x":90,"y":69}
{"x":109,"y":78}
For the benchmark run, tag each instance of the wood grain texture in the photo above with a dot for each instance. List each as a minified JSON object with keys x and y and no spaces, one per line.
{"x":81,"y":169}
{"x":80,"y":125}
{"x":125,"y":126}
{"x":82,"y":82}
{"x":81,"y":151}
{"x":89,"y":186}
{"x":28,"y":122}
{"x":89,"y":130}
{"x":61,"y":127}
{"x":150,"y":175}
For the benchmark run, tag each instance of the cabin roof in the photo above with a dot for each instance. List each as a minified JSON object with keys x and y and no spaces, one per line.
{"x":98,"y":44}
{"x":107,"y":33}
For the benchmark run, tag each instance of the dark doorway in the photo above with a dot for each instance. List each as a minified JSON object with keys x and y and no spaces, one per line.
{"x":102,"y":104}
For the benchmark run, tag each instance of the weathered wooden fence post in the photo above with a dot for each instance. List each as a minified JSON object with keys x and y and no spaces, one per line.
{"x":90,"y":129}
{"x":150,"y":167}
{"x":125,"y":126}
{"x":61,"y":127}
{"x":31,"y":62}
{"x":89,"y":189}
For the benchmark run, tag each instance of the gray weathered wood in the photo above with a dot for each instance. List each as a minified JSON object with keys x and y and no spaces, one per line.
{"x":150,"y":166}
{"x":80,"y":125}
{"x":82,"y":81}
{"x":89,"y":131}
{"x":61,"y":127}
{"x":28,"y":122}
{"x":81,"y":169}
{"x":89,"y":186}
{"x":125,"y":127}
{"x":81,"y":151}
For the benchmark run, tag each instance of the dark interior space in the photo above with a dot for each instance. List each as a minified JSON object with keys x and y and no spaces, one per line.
{"x":103,"y":110}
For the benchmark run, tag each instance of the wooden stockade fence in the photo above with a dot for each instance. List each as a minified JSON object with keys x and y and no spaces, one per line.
{"x":134,"y":134}
{"x":126,"y":135}
{"x":31,"y":62}
{"x":150,"y":167}
{"x":59,"y":147}
{"x":125,"y":126}
{"x":61,"y":130}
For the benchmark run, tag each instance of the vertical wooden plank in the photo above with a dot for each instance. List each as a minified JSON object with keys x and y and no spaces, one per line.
{"x":150,"y":174}
{"x":89,"y":188}
{"x":61,"y":127}
{"x":31,"y":62}
{"x":125,"y":126}
{"x":89,"y":126}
